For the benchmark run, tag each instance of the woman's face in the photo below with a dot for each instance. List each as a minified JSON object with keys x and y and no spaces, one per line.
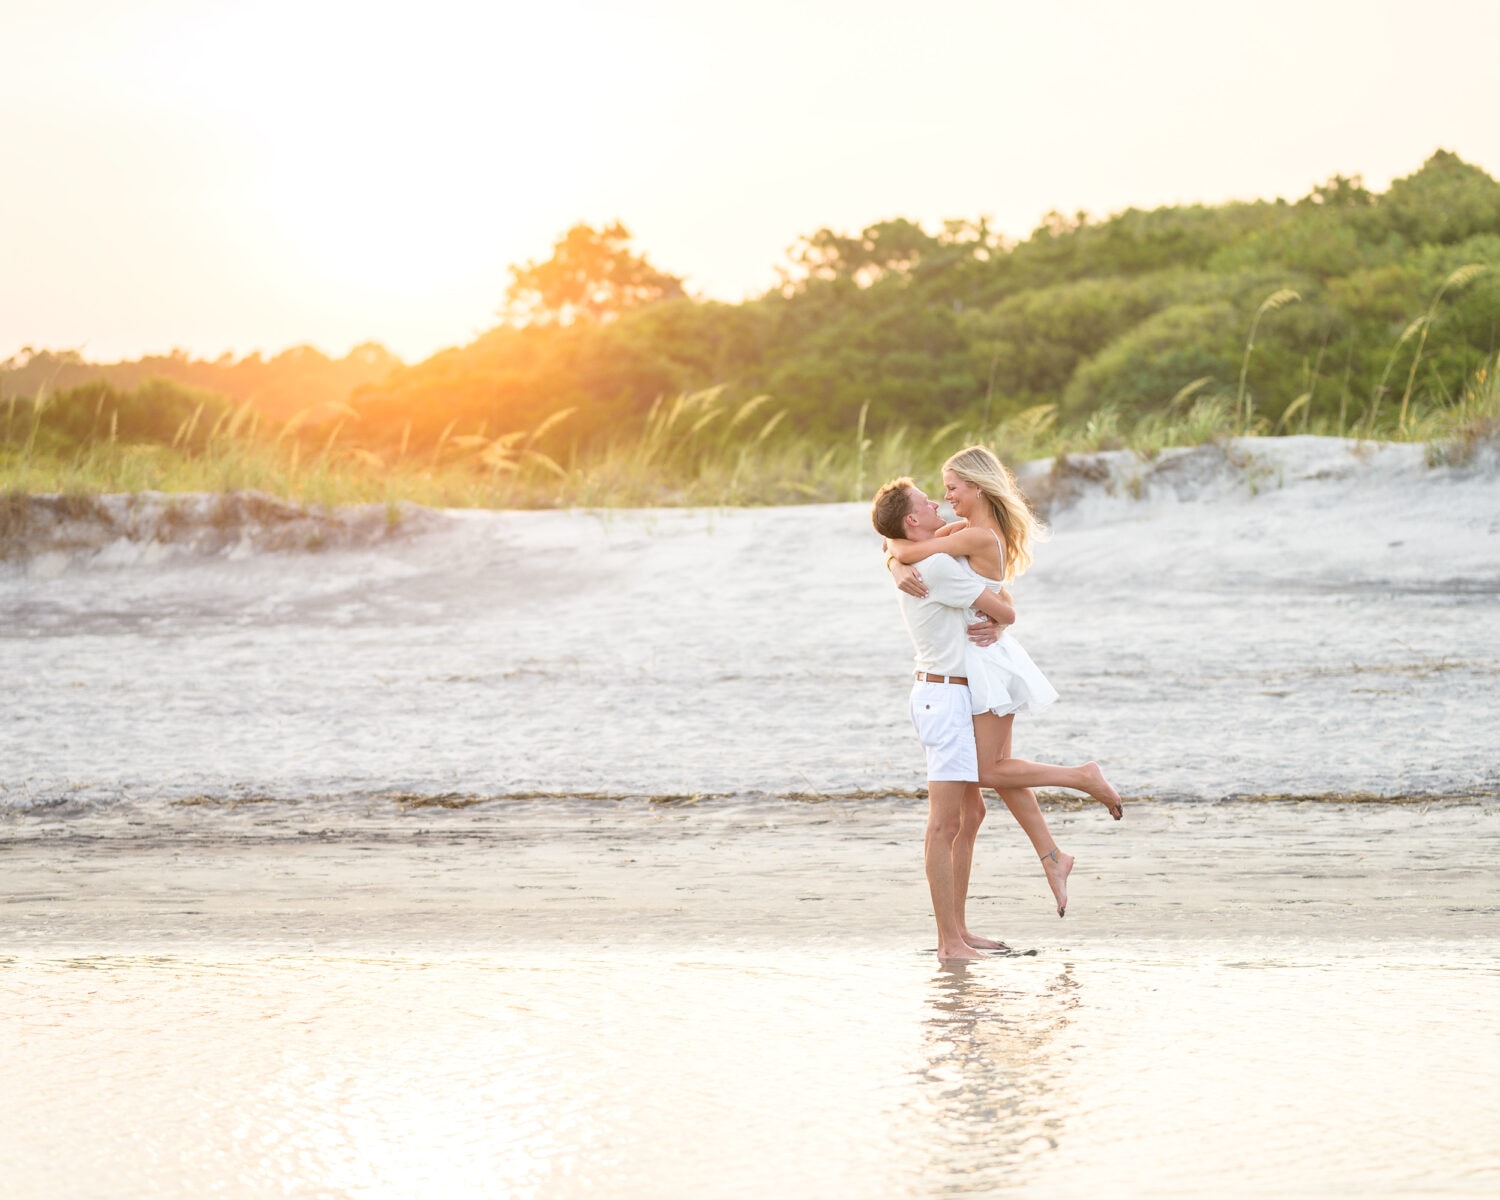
{"x":963,"y":496}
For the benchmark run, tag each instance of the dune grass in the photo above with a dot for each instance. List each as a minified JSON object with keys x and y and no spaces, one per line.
{"x":693,"y":449}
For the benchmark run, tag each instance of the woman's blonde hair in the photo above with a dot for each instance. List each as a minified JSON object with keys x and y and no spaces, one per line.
{"x":1019,"y":526}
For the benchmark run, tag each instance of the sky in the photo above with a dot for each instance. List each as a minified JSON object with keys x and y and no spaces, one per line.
{"x":228,"y":177}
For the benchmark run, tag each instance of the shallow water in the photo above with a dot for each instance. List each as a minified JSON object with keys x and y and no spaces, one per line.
{"x":740,"y":999}
{"x":747,"y":1073}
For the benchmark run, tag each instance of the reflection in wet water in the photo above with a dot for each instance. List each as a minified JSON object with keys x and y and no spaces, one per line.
{"x":557,"y":1001}
{"x":996,"y":1057}
{"x":745,"y":1073}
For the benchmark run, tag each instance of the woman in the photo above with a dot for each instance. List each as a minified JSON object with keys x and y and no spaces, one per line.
{"x":994,"y":533}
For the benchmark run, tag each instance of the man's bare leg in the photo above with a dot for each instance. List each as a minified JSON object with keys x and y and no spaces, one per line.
{"x":971,"y":816}
{"x":992,"y":738}
{"x":944,"y":819}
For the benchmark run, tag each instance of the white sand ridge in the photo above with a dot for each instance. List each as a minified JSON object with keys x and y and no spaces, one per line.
{"x":51,"y":533}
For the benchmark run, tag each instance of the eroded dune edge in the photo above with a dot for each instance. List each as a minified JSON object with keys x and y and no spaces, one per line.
{"x":146,"y":527}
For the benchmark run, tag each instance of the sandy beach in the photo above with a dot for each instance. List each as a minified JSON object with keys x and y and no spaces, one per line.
{"x":563,"y":854}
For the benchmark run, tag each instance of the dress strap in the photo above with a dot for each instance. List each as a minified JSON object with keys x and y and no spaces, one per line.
{"x":1000,"y":545}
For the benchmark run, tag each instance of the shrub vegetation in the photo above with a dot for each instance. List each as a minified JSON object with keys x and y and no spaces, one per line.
{"x":1346,"y":312}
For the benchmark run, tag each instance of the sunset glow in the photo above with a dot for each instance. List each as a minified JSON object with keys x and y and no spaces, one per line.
{"x":237,"y":176}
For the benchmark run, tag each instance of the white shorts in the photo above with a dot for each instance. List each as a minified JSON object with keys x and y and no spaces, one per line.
{"x":945,"y":727}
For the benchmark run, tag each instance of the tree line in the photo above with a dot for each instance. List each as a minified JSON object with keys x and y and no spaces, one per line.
{"x":1336,"y":311}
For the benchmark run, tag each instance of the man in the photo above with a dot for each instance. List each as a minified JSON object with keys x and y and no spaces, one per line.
{"x":941,"y":711}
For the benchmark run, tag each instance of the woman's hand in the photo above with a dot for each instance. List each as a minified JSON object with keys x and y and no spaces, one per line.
{"x":909,"y":580}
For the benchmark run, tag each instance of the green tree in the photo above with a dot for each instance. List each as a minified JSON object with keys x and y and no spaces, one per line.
{"x":592,"y":276}
{"x":1145,"y":367}
{"x":1448,"y":200}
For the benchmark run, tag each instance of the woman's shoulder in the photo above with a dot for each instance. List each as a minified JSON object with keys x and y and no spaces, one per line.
{"x":976,"y":538}
{"x":990,"y":581}
{"x":986,"y":542}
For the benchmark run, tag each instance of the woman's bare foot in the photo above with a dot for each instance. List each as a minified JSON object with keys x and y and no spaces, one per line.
{"x":1058,"y":866}
{"x":983,"y":943}
{"x":1102,"y":790}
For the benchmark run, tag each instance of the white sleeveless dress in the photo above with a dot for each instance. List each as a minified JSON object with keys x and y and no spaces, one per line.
{"x":1002,"y":677}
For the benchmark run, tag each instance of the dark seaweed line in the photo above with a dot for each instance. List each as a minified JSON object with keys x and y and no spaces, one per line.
{"x":62,"y":809}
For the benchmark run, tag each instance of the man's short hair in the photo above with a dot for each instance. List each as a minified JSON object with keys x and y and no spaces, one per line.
{"x":892,"y":504}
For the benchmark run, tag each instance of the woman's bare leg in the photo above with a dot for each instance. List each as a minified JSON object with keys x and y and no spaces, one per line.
{"x":1004,"y":773}
{"x":992,"y":737}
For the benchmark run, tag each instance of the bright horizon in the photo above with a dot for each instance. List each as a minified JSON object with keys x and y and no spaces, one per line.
{"x":236,"y":177}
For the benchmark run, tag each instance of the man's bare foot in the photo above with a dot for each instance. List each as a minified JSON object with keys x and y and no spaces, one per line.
{"x":1058,"y":867}
{"x":961,"y":953}
{"x":1102,"y":790}
{"x":983,"y":943}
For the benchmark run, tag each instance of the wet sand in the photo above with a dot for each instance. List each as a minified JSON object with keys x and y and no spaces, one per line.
{"x":790,"y":874}
{"x":573,"y":998}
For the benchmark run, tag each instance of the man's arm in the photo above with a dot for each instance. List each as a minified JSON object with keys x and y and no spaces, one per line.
{"x":986,"y":631}
{"x":1001,"y":613}
{"x":951,"y":585}
{"x":996,"y":606}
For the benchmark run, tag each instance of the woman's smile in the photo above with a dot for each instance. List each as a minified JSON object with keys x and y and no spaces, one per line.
{"x":958,"y":493}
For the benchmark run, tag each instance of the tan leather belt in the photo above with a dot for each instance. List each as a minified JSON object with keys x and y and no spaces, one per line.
{"x":923,"y":677}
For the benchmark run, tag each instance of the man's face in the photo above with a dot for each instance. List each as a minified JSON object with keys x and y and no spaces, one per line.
{"x":923,"y":516}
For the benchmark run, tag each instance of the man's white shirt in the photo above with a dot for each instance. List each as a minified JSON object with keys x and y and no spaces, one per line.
{"x":938,"y":623}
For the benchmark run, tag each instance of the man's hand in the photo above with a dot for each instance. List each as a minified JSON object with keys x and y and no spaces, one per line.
{"x":984,"y":632}
{"x":909,"y":580}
